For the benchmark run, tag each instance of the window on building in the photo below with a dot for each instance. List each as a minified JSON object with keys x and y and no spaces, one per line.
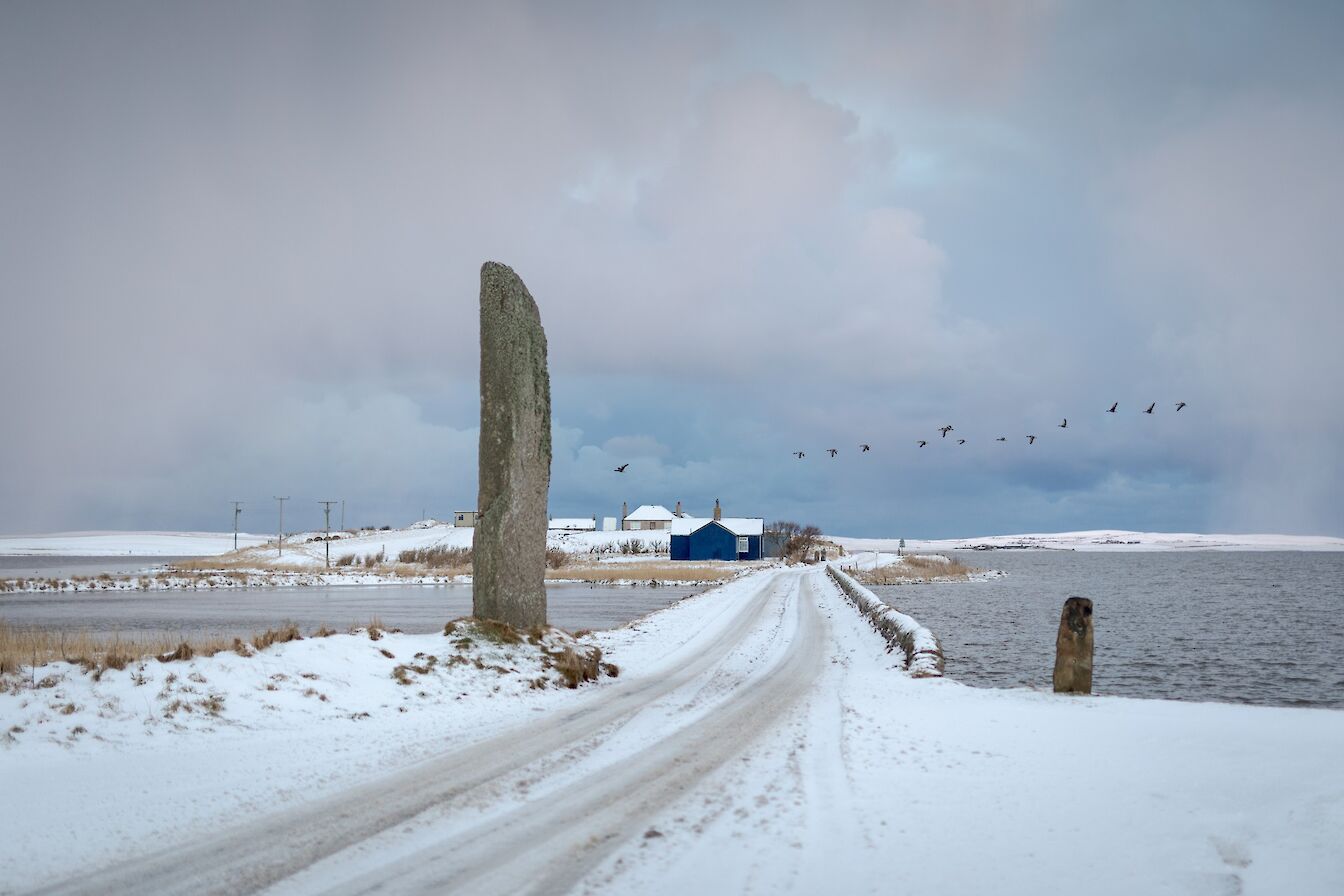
{"x":742,"y":544}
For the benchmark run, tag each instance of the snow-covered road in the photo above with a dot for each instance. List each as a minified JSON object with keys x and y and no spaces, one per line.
{"x":762,"y":740}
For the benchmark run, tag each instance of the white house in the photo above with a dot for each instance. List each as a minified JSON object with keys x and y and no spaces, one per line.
{"x":648,"y":516}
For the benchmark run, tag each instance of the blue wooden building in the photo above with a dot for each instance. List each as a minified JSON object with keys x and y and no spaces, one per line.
{"x":717,"y":538}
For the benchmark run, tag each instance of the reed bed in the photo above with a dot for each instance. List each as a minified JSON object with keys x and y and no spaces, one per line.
{"x":28,"y":648}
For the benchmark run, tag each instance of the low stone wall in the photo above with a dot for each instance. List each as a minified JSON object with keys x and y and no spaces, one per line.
{"x":923,"y":653}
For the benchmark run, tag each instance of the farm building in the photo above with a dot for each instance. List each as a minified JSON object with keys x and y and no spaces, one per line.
{"x":647,"y":516}
{"x":716,"y":538}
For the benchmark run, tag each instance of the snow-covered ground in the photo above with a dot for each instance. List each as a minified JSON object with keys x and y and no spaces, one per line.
{"x":303,"y":560}
{"x":1106,"y":540}
{"x":126,"y":544}
{"x":759,"y":739}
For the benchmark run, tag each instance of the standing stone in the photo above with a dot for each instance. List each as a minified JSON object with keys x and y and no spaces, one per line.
{"x":1073,"y":648}
{"x":509,"y":550}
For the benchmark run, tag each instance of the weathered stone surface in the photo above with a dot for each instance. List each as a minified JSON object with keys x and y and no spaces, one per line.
{"x":1073,"y":648}
{"x":509,"y":551}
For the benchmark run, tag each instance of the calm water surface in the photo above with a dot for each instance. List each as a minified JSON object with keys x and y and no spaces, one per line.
{"x":1264,"y":628}
{"x":243,"y":612}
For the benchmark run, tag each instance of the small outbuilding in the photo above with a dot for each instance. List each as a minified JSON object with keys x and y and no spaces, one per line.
{"x":718,"y":538}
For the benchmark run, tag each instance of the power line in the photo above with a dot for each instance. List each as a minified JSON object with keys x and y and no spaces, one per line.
{"x":326,"y":511}
{"x":237,"y":509}
{"x":280,"y":541}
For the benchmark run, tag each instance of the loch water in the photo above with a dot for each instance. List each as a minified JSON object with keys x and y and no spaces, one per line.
{"x":1241,"y":627}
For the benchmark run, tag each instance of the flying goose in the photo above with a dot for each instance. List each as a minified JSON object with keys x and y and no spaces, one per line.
{"x":831,"y":451}
{"x":866,"y":447}
{"x":1150,"y":408}
{"x":1179,"y":405}
{"x":945,"y":430}
{"x":621,"y":468}
{"x":1111,"y":409}
{"x":1065,"y":424}
{"x":1031,"y":440}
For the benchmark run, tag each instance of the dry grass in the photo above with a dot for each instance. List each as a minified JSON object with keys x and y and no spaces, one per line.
{"x":241,"y":561}
{"x":28,"y":648}
{"x":437,"y":558}
{"x":916,"y":568}
{"x":643,"y":572}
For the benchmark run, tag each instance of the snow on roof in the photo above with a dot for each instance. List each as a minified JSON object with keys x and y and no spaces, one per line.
{"x":650,"y":513}
{"x":738,"y":525}
{"x":580,"y":524}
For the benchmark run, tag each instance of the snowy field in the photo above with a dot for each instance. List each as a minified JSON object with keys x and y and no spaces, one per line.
{"x":300,"y":549}
{"x":759,"y":739}
{"x":126,"y":544}
{"x":1106,"y":540}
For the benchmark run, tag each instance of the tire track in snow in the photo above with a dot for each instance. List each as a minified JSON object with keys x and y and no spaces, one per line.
{"x":548,"y":844}
{"x":253,"y":855}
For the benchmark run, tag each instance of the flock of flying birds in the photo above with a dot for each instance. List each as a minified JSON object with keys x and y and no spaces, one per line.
{"x":1031,"y":439}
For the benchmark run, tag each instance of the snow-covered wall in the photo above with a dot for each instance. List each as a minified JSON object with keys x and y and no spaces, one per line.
{"x":923,"y":653}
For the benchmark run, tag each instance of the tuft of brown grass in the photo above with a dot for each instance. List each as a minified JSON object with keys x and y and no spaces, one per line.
{"x":577,"y":667}
{"x":183,"y":651}
{"x":915,"y":568}
{"x":283,"y":635}
{"x":497,"y":632}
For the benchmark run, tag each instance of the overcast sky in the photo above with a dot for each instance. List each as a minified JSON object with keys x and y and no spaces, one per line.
{"x":240,"y":249}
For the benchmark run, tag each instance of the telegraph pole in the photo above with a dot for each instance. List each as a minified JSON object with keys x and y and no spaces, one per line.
{"x":342,"y":514}
{"x":280,"y":542}
{"x":326,"y":510}
{"x":237,"y":509}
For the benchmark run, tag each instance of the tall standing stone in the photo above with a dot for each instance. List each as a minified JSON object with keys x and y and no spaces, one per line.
{"x":509,"y":549}
{"x":1073,"y":648}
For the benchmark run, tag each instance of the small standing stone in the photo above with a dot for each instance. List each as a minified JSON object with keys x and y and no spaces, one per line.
{"x":509,"y":548}
{"x":1073,"y":648}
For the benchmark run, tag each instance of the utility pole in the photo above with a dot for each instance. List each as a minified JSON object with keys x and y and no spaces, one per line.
{"x":342,"y":514}
{"x":326,"y":511}
{"x":280,"y":542}
{"x":237,"y":509}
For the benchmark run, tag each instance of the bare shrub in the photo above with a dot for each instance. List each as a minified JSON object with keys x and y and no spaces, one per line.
{"x":556,"y":558}
{"x":345,"y":560}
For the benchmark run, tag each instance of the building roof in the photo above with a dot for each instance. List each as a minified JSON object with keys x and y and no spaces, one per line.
{"x":738,"y":525}
{"x":650,"y":513}
{"x":582,"y":524}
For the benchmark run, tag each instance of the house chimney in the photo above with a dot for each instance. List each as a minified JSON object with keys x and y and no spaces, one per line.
{"x":718,"y":511}
{"x":625,"y":512}
{"x":677,"y":512}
